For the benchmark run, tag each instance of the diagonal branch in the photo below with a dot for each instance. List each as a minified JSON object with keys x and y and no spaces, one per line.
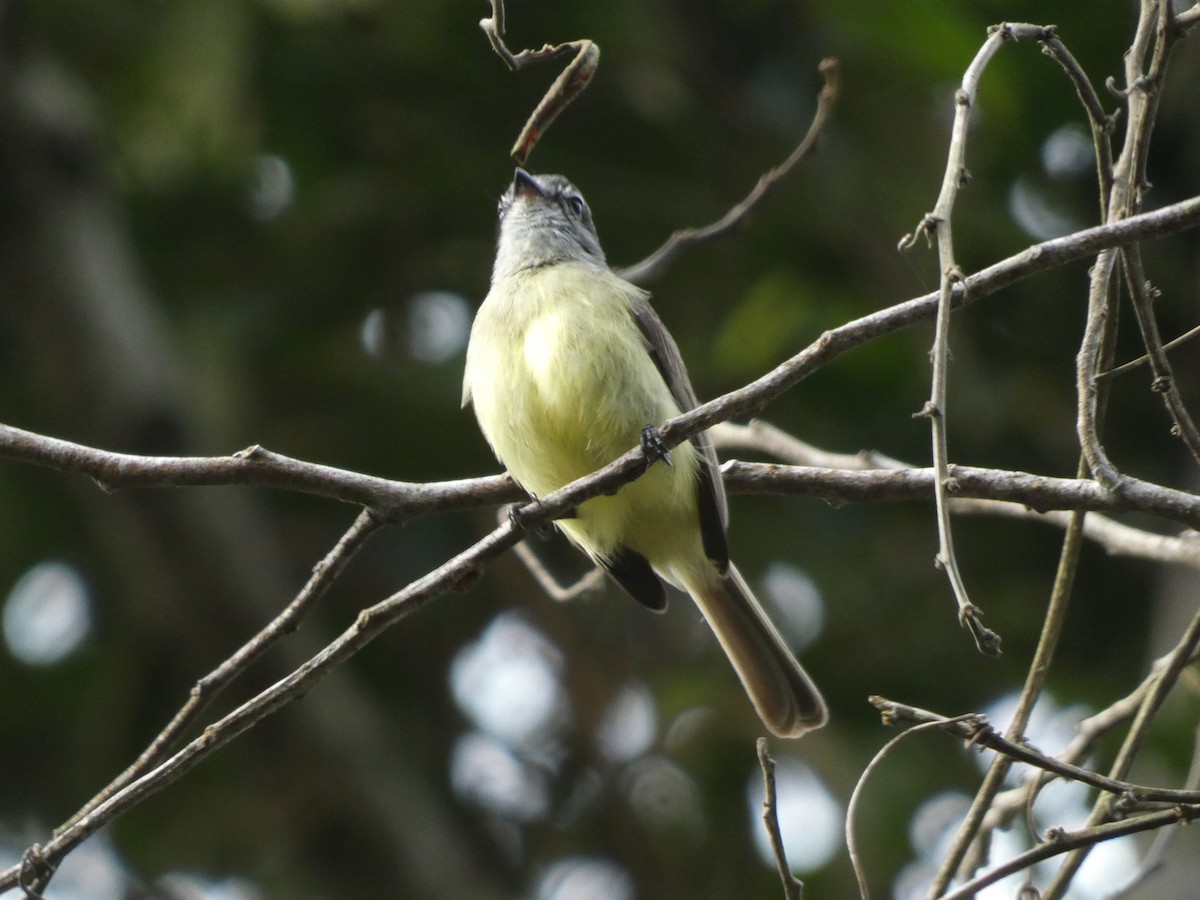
{"x":207,"y":688}
{"x":1143,"y":295}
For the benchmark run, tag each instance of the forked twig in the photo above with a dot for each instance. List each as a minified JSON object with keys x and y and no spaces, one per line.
{"x":856,"y":795}
{"x":938,"y":222}
{"x":593,"y":580}
{"x":1060,"y":841}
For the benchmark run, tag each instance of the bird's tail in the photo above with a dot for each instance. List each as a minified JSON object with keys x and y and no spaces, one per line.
{"x":786,"y":699}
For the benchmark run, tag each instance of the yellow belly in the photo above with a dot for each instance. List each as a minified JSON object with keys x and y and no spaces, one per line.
{"x":562,"y":384}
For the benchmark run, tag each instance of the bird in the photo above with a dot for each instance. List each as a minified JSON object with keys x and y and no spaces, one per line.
{"x":568,"y":366}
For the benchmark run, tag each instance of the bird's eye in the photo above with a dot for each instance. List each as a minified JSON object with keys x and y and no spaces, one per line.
{"x":575,"y":204}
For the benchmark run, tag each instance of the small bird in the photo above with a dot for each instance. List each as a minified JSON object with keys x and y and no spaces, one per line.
{"x":569,"y":367}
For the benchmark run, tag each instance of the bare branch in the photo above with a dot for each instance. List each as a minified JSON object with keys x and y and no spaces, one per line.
{"x":1184,"y":652}
{"x":391,"y":500}
{"x":658,"y":261}
{"x":1102,"y":123}
{"x":751,"y":398}
{"x":1061,"y":841}
{"x":1143,"y":296}
{"x":1145,"y":357}
{"x":1188,"y":18}
{"x":974,"y":729}
{"x":856,"y":795}
{"x":207,"y":688}
{"x":793,"y":888}
{"x":593,"y":580}
{"x":370,"y":623}
{"x":1116,"y":538}
{"x":566,"y":87}
{"x":1038,"y":492}
{"x":939,"y":222}
{"x":1090,"y":361}
{"x":1145,"y":67}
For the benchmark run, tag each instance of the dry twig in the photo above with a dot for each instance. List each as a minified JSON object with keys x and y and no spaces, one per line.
{"x":793,"y":888}
{"x":566,"y":87}
{"x":653,"y":265}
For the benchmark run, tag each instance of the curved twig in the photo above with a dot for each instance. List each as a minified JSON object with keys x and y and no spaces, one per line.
{"x":653,"y":265}
{"x":938,"y":222}
{"x":566,"y":87}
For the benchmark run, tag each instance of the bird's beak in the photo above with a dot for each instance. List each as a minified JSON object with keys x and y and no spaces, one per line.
{"x":525,"y":185}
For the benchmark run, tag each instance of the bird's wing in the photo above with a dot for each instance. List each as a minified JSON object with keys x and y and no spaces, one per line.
{"x":714,"y":513}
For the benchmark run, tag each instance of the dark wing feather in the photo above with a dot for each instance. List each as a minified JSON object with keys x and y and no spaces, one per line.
{"x":714,"y":514}
{"x":633,"y":572}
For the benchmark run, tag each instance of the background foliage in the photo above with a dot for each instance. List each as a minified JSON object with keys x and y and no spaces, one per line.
{"x":221,"y":224}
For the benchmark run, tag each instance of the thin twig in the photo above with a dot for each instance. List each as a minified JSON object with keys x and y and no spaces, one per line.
{"x":566,"y":87}
{"x":1162,"y":841}
{"x":1183,"y":653}
{"x":975,"y":731}
{"x":1087,"y":734}
{"x":939,"y":222}
{"x":1145,"y":357}
{"x":1061,"y":841}
{"x":207,"y":688}
{"x":1101,"y":123}
{"x":793,"y":887}
{"x":592,"y":581}
{"x":856,"y":795}
{"x":1143,"y":296}
{"x":657,"y":262}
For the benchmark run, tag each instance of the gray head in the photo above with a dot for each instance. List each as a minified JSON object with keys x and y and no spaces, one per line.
{"x":544,"y":220}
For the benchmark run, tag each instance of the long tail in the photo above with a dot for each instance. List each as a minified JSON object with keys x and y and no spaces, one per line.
{"x":786,"y":699}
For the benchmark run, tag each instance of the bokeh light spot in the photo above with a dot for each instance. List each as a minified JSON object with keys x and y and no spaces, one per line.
{"x":48,"y":613}
{"x":810,"y":818}
{"x":629,"y":725}
{"x":585,"y":878}
{"x":487,"y":773}
{"x":507,"y":682}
